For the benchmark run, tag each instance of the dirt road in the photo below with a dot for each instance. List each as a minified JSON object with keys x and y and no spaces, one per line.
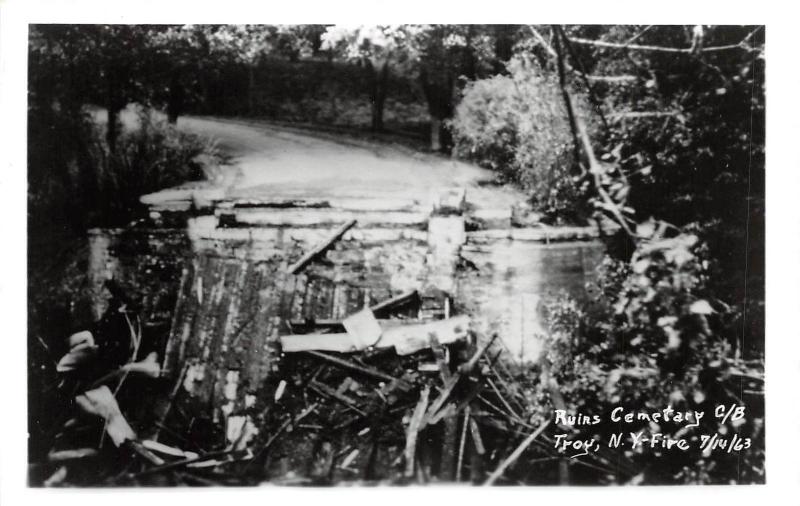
{"x":270,"y":160}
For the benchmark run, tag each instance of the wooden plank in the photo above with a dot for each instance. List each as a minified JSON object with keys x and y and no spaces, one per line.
{"x":369,"y":371}
{"x":435,"y":412}
{"x":363,"y":328}
{"x":461,"y":446}
{"x":321,"y":247}
{"x":339,"y":342}
{"x":447,"y":465}
{"x":477,"y":440}
{"x":515,"y":454}
{"x":414,"y":426}
{"x":406,"y":339}
{"x":395,"y":301}
{"x":341,"y":303}
{"x":325,"y":390}
{"x":473,"y":362}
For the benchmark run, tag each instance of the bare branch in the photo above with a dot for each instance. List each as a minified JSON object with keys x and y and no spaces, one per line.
{"x":662,"y":49}
{"x":567,"y":101}
{"x":613,"y":79}
{"x":582,"y":71}
{"x":542,"y":41}
{"x":635,"y":37}
{"x":643,"y":114}
{"x":581,"y":137}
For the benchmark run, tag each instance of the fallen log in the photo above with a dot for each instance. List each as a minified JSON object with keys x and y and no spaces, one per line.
{"x":320,"y":248}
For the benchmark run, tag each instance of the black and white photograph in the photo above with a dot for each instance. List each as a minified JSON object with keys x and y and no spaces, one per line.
{"x":325,"y":255}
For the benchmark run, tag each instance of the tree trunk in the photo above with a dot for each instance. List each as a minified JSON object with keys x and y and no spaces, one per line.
{"x":174,"y":101}
{"x":112,"y":126}
{"x":436,"y":130}
{"x":114,"y":105}
{"x":380,"y":80}
{"x":251,"y":88}
{"x":438,"y":91}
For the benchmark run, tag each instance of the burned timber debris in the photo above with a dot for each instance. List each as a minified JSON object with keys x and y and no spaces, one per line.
{"x":308,"y":352}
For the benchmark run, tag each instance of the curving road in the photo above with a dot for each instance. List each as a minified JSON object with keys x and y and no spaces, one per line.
{"x":274,"y":161}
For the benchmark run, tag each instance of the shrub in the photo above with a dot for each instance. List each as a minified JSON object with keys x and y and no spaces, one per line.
{"x":78,"y":181}
{"x":517,"y":125}
{"x":662,"y":341}
{"x":152,"y":157}
{"x":75,"y":181}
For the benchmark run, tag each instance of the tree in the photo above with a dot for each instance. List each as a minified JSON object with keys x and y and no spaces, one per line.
{"x":672,"y":311}
{"x":447,"y":57}
{"x":378,"y":48}
{"x":685,"y":107}
{"x":437,"y":56}
{"x":110,"y":65}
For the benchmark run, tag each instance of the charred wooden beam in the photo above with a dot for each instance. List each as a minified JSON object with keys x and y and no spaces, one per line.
{"x":347,"y":364}
{"x":477,"y":440}
{"x":515,"y":454}
{"x":414,"y":426}
{"x":399,"y":300}
{"x":320,"y":248}
{"x":383,"y":307}
{"x":327,"y":391}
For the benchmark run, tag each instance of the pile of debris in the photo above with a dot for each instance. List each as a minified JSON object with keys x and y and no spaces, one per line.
{"x":398,"y":392}
{"x":376,"y":403}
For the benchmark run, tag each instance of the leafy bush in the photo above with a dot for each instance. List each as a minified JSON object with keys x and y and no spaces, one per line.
{"x":150,"y":158}
{"x":517,"y":125}
{"x":76,"y":179}
{"x":661,"y":341}
{"x":670,"y":330}
{"x":686,"y":141}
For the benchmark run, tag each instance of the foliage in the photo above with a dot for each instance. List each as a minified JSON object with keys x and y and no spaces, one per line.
{"x":204,"y":67}
{"x":696,"y":156}
{"x":437,"y":56}
{"x":516,"y":125}
{"x":669,"y":332}
{"x":78,"y":181}
{"x":309,"y":91}
{"x":377,"y":44}
{"x":661,"y":342}
{"x":107,"y":65}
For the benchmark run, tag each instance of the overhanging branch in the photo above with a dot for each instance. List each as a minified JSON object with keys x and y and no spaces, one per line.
{"x":661,"y":49}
